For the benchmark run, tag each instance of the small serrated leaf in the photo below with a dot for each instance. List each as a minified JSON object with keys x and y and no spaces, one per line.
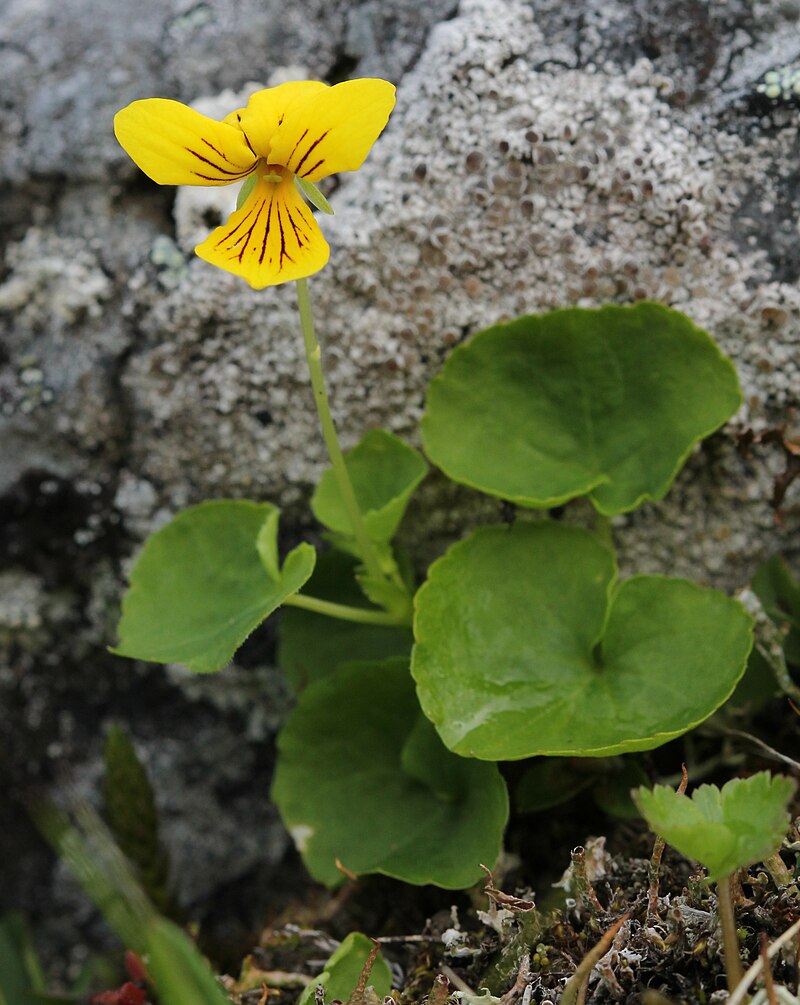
{"x":342,"y":972}
{"x":724,"y":829}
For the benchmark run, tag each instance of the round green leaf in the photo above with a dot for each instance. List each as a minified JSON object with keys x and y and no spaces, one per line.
{"x":344,"y":969}
{"x":724,"y":829}
{"x":362,"y":777}
{"x":384,"y":471}
{"x":313,"y":645}
{"x":205,"y":581}
{"x":526,"y":645}
{"x":607,"y":402}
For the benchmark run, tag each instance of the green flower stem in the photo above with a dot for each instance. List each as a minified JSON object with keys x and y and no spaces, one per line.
{"x":313,"y":356}
{"x":730,"y":940}
{"x":344,"y":612}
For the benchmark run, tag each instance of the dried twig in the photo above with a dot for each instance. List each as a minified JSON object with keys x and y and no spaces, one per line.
{"x":357,"y":997}
{"x":439,"y":991}
{"x":730,"y":940}
{"x":583,"y":888}
{"x":571,"y":995}
{"x":523,"y":977}
{"x":456,"y":981}
{"x":504,"y":899}
{"x":769,"y":983}
{"x":655,"y":861}
{"x":739,"y":993}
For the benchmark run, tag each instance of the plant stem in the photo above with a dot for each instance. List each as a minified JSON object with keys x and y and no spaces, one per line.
{"x":313,"y":356}
{"x":344,"y":612}
{"x":730,"y":940}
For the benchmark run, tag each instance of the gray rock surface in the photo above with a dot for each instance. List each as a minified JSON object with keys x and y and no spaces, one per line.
{"x":540,"y":155}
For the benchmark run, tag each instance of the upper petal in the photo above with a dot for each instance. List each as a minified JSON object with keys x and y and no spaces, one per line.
{"x":175,"y":145}
{"x":273,"y":238}
{"x":266,"y":109}
{"x":332,"y":129}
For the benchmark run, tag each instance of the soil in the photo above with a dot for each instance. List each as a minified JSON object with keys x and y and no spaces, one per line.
{"x":569,"y":874}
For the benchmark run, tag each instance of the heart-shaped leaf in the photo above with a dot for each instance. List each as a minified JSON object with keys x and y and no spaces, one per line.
{"x":313,"y":645}
{"x":363,"y":778}
{"x":724,"y":829}
{"x":526,"y":645}
{"x":343,"y":971}
{"x":205,"y":581}
{"x":608,"y":402}
{"x":384,"y":471}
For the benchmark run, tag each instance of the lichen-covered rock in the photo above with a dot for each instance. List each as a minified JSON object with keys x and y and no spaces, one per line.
{"x":501,"y":186}
{"x":540,"y":155}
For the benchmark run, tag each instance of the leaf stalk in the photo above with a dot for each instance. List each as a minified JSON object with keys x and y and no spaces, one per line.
{"x":313,"y":358}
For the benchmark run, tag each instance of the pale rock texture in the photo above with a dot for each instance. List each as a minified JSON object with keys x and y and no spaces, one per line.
{"x":541,"y":154}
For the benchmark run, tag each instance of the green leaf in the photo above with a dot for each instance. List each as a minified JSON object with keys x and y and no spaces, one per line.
{"x":247,"y":187}
{"x":608,"y":402}
{"x":21,"y":974}
{"x":180,"y":973}
{"x":724,"y":829}
{"x":779,"y":592}
{"x":757,"y":685}
{"x":384,"y":471}
{"x":362,"y":777}
{"x":205,"y":581}
{"x":130,"y":810}
{"x":526,"y":645}
{"x":387,"y":594}
{"x":312,"y":646}
{"x":612,"y":791}
{"x":343,"y":971}
{"x":548,"y":782}
{"x":313,"y":194}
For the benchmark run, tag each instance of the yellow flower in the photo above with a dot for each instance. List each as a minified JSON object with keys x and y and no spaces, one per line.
{"x":305,"y":130}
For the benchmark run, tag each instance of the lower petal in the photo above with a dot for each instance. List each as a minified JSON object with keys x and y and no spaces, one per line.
{"x":272,"y":239}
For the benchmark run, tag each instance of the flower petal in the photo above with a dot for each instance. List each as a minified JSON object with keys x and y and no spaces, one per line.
{"x":266,"y":109}
{"x":175,"y":145}
{"x":331,"y":130}
{"x":273,"y":238}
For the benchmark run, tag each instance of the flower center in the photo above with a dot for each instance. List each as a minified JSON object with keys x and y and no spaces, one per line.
{"x":274,"y":173}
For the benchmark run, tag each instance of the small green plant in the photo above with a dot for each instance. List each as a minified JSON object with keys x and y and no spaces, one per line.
{"x":129,"y":805}
{"x":173,"y":966}
{"x":345,"y":975}
{"x":526,"y":642}
{"x":21,"y":973}
{"x":726,"y":830}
